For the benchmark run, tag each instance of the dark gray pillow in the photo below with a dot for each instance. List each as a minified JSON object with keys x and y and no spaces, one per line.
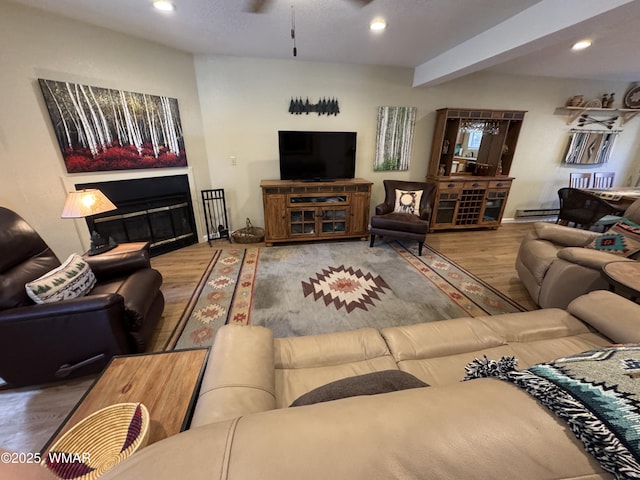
{"x":367,"y":384}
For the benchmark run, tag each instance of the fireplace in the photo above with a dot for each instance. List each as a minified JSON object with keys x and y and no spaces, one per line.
{"x":157,"y":210}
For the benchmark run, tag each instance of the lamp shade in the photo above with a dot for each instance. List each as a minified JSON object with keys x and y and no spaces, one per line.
{"x":84,"y":203}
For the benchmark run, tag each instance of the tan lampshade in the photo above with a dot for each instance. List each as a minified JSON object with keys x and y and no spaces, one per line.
{"x":84,"y":203}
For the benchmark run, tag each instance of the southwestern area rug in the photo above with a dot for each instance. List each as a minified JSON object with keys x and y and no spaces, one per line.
{"x":328,"y":287}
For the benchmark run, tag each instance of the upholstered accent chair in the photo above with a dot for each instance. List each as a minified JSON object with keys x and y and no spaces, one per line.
{"x":405,"y":212}
{"x":44,"y":342}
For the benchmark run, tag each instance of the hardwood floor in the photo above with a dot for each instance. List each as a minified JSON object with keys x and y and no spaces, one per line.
{"x":488,"y":254}
{"x":29,"y":416}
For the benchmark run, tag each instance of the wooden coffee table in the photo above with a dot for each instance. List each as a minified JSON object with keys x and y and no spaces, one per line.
{"x":624,"y":278}
{"x":167,"y":383}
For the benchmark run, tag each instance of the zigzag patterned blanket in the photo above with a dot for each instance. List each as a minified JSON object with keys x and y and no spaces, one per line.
{"x":597,"y":393}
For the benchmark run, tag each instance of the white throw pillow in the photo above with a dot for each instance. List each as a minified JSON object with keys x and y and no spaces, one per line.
{"x":408,"y":201}
{"x":72,"y":279}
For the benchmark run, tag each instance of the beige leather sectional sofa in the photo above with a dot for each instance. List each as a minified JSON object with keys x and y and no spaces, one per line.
{"x":479,"y":429}
{"x":554,"y":266}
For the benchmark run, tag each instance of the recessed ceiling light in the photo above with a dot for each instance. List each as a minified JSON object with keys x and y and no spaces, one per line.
{"x":164,"y":5}
{"x":581,"y":45}
{"x":378,"y":24}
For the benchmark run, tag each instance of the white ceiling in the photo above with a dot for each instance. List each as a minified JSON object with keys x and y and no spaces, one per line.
{"x":441,"y":39}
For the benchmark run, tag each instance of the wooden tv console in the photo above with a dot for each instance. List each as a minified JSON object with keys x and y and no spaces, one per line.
{"x":303,"y":211}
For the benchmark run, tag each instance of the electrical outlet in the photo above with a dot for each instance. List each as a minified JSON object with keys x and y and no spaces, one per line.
{"x":234,"y":161}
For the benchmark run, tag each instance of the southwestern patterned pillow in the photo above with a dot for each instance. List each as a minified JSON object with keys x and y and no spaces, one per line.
{"x":408,"y":201}
{"x":621,"y":239}
{"x":72,"y":279}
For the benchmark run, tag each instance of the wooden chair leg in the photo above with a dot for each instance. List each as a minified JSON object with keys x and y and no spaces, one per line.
{"x":373,"y":239}
{"x":420,"y":244}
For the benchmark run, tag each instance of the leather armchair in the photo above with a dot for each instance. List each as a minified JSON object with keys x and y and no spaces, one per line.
{"x":555,"y":268}
{"x":405,"y":226}
{"x":40,"y":343}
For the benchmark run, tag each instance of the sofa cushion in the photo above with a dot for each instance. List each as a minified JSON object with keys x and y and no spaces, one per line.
{"x":436,"y":352}
{"x":304,"y":363}
{"x":400,"y":222}
{"x":621,"y":239}
{"x":367,"y":384}
{"x":72,"y":279}
{"x":407,"y":201}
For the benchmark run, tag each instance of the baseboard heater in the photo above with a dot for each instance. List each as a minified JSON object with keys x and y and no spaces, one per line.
{"x":537,"y":212}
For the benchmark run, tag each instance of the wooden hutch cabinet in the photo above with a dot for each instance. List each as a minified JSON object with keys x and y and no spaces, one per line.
{"x":295,"y":210}
{"x":471,"y":155}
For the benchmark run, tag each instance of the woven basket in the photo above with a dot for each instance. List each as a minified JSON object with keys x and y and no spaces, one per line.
{"x":99,"y":442}
{"x":250,"y":234}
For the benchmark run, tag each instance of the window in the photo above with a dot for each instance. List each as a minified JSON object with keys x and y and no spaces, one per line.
{"x":475,"y":138}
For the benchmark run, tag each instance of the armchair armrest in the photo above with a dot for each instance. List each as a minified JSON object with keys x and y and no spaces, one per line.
{"x":425,"y":213}
{"x":562,"y":235}
{"x":588,"y":257}
{"x":383,"y":209}
{"x":118,"y":264}
{"x":139,"y":292}
{"x":87,"y":305}
{"x":240,"y":375}
{"x":610,"y":314}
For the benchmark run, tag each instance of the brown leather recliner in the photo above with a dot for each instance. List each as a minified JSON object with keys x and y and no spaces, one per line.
{"x":41,"y":343}
{"x":403,"y":225}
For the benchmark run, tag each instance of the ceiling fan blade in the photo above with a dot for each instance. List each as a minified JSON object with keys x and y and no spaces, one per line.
{"x":258,"y":6}
{"x":363,"y":2}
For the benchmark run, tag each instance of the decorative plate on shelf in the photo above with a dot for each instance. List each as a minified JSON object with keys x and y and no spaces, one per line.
{"x":593,"y":103}
{"x":632,"y":97}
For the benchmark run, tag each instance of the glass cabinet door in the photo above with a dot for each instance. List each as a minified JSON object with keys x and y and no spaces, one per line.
{"x":333,"y":220}
{"x":493,"y":206}
{"x":302,"y":222}
{"x":446,"y":209}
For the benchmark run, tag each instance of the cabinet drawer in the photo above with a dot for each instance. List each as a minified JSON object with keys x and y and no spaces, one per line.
{"x":500,"y":184}
{"x":475,"y":184}
{"x":443,"y":186}
{"x":444,"y":195}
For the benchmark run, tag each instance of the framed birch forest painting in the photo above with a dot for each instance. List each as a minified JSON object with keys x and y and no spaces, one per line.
{"x":394,"y":138}
{"x":101,"y":129}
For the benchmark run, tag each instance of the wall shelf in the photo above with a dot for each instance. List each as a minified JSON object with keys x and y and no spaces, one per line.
{"x":573,"y":113}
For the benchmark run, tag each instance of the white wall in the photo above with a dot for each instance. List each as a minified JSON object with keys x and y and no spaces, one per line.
{"x":245,"y":102}
{"x":233,"y":106}
{"x":38,"y":45}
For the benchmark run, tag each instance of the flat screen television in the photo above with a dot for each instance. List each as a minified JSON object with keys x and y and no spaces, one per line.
{"x":321,"y":156}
